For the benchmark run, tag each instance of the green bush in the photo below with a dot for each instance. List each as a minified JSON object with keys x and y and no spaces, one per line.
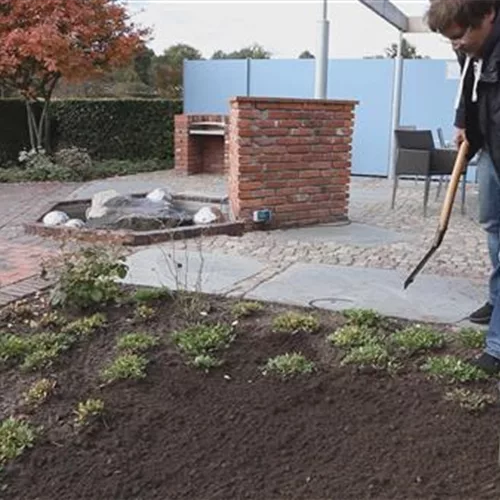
{"x":121,"y":129}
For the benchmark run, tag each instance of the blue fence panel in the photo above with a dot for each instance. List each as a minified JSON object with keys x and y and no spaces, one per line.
{"x":428,"y":96}
{"x":370,"y":83}
{"x":282,"y":78}
{"x":208,"y":85}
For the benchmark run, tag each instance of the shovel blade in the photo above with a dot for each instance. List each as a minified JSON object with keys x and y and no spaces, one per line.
{"x":419,"y":266}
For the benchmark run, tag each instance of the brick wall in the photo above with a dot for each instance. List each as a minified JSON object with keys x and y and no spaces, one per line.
{"x":195,"y":154}
{"x":292,"y":156}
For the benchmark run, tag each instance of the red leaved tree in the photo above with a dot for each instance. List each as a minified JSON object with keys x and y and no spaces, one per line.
{"x":44,"y":40}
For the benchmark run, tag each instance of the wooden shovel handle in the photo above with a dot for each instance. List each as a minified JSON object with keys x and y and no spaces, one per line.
{"x":458,"y":168}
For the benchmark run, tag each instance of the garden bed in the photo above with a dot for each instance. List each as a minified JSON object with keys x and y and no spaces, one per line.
{"x":190,"y":428}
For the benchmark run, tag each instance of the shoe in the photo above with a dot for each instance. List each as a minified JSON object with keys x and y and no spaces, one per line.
{"x":487,"y":363}
{"x":482,"y":315}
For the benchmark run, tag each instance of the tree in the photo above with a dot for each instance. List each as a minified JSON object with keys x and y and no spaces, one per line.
{"x":408,"y":51}
{"x":306,"y":55}
{"x":143,"y":65}
{"x":168,"y":69}
{"x":42,"y":41}
{"x":254,"y":51}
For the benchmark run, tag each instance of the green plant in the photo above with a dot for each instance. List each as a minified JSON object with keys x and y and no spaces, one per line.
{"x":367,"y":318}
{"x":88,"y":278}
{"x":52,"y":319}
{"x":13,"y":347}
{"x":39,"y":392}
{"x":471,"y":338}
{"x":123,"y":129}
{"x":372,"y":355}
{"x":288,"y":364}
{"x":83,"y":327}
{"x":246,"y":308}
{"x":74,"y":159}
{"x":88,"y":410}
{"x":293,"y":322}
{"x":203,"y":339}
{"x":352,"y":336}
{"x":145,"y":312}
{"x":415,"y":339}
{"x":35,"y":351}
{"x":452,"y":369}
{"x":206,"y":362}
{"x":152,"y":294}
{"x":15,"y":436}
{"x":472,"y":401}
{"x":126,"y":366}
{"x":136,"y":342}
{"x":44,"y":349}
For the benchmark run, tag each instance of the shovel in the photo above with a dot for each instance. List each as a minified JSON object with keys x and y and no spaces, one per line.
{"x":458,"y":168}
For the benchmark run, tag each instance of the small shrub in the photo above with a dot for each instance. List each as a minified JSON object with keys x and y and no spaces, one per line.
{"x":152,"y":294}
{"x":136,"y":342}
{"x":39,"y":392}
{"x":203,"y":339}
{"x":87,"y":279}
{"x":84,"y":327}
{"x":415,"y":339}
{"x":368,"y":355}
{"x":289,"y":364}
{"x":88,"y":410}
{"x":293,"y":322}
{"x":452,"y":369}
{"x":367,"y":318}
{"x":206,"y":362}
{"x":246,"y":308}
{"x":352,"y":336}
{"x":35,"y":159}
{"x":472,"y":401}
{"x":126,"y":366}
{"x":15,"y":436}
{"x":74,"y":159}
{"x":471,"y":338}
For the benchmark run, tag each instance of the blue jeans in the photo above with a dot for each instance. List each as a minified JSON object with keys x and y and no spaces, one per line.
{"x":489,"y":217}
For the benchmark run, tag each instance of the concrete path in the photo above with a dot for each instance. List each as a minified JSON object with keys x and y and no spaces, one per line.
{"x":429,"y":298}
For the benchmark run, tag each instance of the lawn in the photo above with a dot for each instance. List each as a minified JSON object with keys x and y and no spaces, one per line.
{"x":131,"y":393}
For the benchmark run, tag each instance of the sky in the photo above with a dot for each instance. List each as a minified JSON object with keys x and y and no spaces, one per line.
{"x":283,"y":27}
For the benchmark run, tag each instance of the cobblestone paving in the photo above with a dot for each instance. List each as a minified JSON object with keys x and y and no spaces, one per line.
{"x":462,"y":253}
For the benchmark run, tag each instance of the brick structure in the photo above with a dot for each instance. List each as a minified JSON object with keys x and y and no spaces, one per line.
{"x":292,"y":156}
{"x":197,"y":152}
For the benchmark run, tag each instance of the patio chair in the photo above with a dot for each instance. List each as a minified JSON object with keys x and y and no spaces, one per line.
{"x":418,"y":156}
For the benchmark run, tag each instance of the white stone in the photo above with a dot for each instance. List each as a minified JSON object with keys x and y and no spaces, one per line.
{"x":207,"y":215}
{"x":97,"y":207}
{"x":76,"y":223}
{"x":55,"y":218}
{"x":159,"y":194}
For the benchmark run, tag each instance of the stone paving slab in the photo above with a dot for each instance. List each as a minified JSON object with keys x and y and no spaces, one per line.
{"x":429,"y":298}
{"x":193,"y":271}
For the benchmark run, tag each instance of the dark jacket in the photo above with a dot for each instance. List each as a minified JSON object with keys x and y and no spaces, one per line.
{"x":481,"y":119}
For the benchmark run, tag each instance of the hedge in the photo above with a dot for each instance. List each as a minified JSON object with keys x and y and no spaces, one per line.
{"x":121,"y":129}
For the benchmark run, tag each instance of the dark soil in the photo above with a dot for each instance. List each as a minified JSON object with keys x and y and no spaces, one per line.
{"x":233,"y":433}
